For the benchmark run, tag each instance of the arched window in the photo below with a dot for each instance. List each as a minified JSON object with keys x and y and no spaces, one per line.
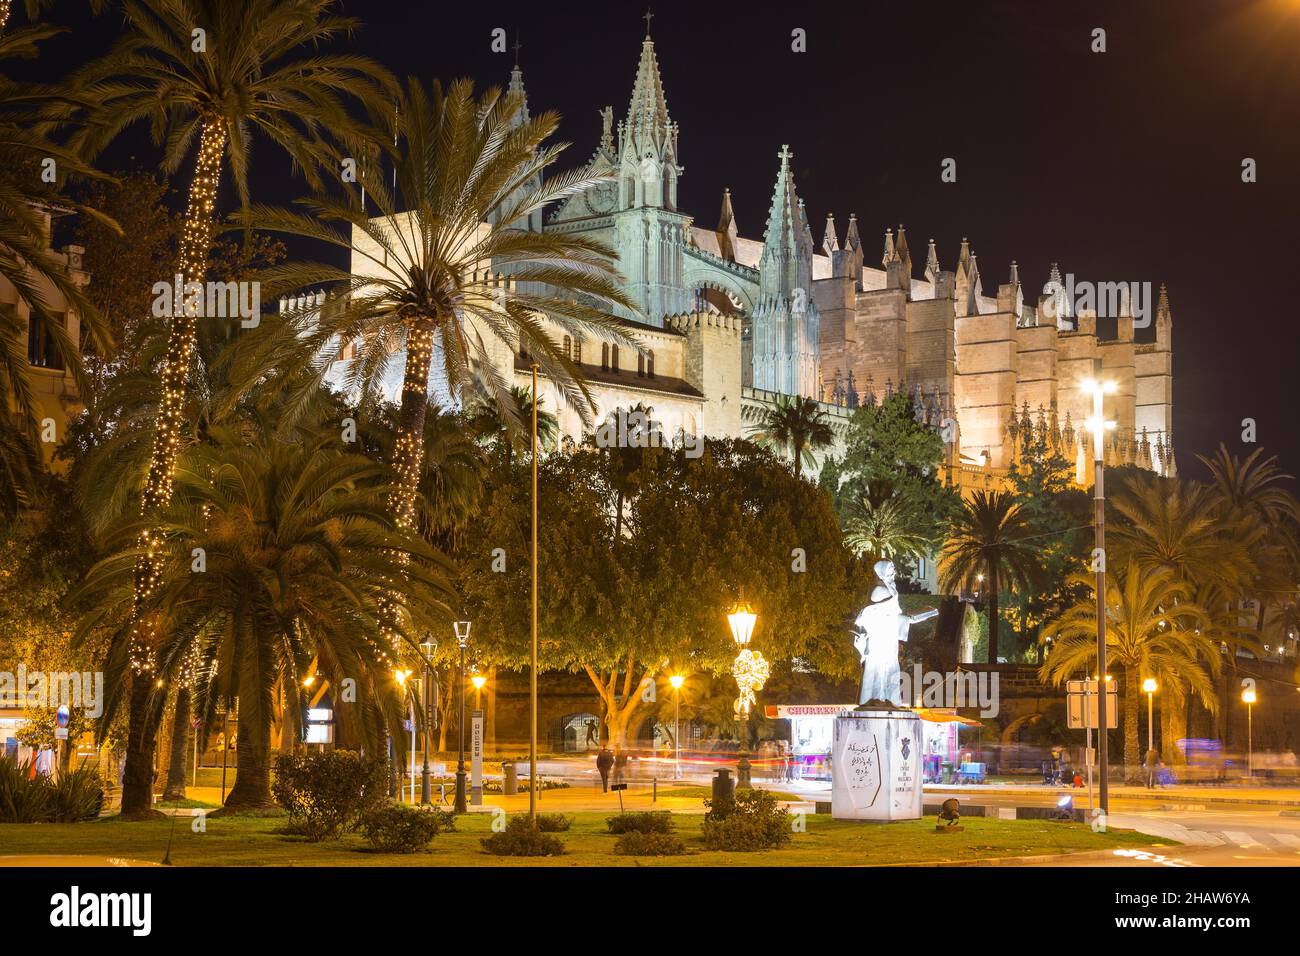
{"x":604,"y":355}
{"x":568,"y":347}
{"x":577,"y":351}
{"x":650,"y":364}
{"x":613,"y":358}
{"x":640,"y":364}
{"x":629,"y":183}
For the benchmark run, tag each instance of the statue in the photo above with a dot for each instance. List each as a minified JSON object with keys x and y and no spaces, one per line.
{"x":881,"y":625}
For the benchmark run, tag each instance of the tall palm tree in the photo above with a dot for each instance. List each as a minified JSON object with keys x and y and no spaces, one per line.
{"x":1153,"y":629}
{"x":215,"y":71}
{"x":39,"y":276}
{"x":465,"y":169}
{"x":877,"y":526}
{"x":1251,"y":495}
{"x":987,"y":538}
{"x":795,"y":424}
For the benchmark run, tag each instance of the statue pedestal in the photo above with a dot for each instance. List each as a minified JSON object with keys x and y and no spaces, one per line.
{"x":876,"y":765}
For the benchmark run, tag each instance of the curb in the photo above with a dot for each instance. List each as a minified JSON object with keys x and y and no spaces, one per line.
{"x":1041,"y":858}
{"x":1155,"y":795}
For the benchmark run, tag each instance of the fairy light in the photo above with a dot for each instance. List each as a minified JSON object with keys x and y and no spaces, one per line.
{"x":195,"y":243}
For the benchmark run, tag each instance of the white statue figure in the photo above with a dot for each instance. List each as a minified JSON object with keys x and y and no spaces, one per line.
{"x":881,"y":625}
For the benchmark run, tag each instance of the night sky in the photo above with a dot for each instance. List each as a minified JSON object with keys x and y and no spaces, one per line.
{"x":1124,"y":165}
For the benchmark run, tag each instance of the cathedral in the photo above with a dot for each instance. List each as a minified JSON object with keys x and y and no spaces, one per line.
{"x":729,"y":323}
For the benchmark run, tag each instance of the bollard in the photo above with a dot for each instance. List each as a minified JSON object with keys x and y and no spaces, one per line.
{"x":654,"y":791}
{"x":509,"y":781}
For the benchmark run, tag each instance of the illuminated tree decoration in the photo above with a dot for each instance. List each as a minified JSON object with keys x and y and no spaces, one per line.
{"x":751,"y":671}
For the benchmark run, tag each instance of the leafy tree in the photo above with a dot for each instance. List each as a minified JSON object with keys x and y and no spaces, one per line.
{"x":988,"y":540}
{"x":629,"y":606}
{"x":892,"y":458}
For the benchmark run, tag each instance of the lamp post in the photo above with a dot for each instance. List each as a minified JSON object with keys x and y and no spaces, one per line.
{"x":676,"y":680}
{"x":462,"y":638}
{"x":741,"y":621}
{"x":1099,"y":426}
{"x":427,"y":649}
{"x":1248,"y":697}
{"x":532,"y":643}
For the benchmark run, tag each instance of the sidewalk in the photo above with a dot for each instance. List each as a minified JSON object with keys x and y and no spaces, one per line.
{"x":1268,"y":796}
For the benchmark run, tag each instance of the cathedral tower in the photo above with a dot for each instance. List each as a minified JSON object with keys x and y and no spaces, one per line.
{"x":649,"y":232}
{"x":785,"y":327}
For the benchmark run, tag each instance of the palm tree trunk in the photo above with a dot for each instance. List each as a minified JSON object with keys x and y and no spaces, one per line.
{"x":992,"y":575}
{"x":1173,"y":727}
{"x":798,"y":459}
{"x":195,"y":242}
{"x":252,"y":789}
{"x":1132,"y":748}
{"x":408,"y":455}
{"x":175,"y":788}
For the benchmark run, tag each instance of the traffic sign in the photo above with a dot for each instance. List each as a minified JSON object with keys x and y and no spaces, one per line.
{"x":1082,"y":705}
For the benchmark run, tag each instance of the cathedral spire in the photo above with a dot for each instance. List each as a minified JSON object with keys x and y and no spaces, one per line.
{"x":889,"y":254}
{"x":932,"y":269}
{"x":647,"y":121}
{"x":727,"y":231}
{"x":783,"y":225}
{"x":852,"y":241}
{"x":516,"y":88}
{"x":830,"y":242}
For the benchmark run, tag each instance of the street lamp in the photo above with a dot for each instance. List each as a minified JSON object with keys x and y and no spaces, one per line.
{"x":1248,"y":697}
{"x":462,"y":638}
{"x":478,"y":680}
{"x":751,"y":671}
{"x":1099,"y":426}
{"x":1149,"y":686}
{"x":428,"y":647}
{"x":677,"y":680}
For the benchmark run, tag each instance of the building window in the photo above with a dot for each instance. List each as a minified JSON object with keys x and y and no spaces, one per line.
{"x":640,"y":364}
{"x":650,"y":364}
{"x":613,"y":358}
{"x":568,"y":347}
{"x":604,"y":355}
{"x":577,"y":352}
{"x":41,"y":351}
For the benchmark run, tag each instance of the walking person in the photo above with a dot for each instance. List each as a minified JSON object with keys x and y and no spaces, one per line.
{"x":604,"y":761}
{"x":1153,"y":764}
{"x":620,"y":766}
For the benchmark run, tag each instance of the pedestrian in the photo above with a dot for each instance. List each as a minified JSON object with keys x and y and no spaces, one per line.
{"x":1152,"y":764}
{"x":620,"y":766}
{"x":604,"y":760}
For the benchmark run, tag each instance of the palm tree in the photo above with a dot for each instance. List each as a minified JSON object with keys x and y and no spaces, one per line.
{"x":38,"y":276}
{"x":796,"y":424}
{"x":987,"y":539}
{"x":299,"y":551}
{"x":877,"y":526}
{"x":215,"y":71}
{"x":1153,"y":629}
{"x":465,"y":169}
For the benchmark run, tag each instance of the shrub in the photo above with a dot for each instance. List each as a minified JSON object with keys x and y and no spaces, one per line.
{"x":330,"y":792}
{"x":401,"y":829}
{"x":75,"y":796}
{"x":520,"y":839}
{"x":653,"y":821}
{"x":750,"y":820}
{"x":22,"y":800}
{"x":649,"y":843}
{"x":553,"y":822}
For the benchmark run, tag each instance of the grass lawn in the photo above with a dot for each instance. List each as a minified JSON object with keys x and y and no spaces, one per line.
{"x":248,"y":841}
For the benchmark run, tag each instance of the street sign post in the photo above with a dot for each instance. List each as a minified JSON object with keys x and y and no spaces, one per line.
{"x":476,"y":760}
